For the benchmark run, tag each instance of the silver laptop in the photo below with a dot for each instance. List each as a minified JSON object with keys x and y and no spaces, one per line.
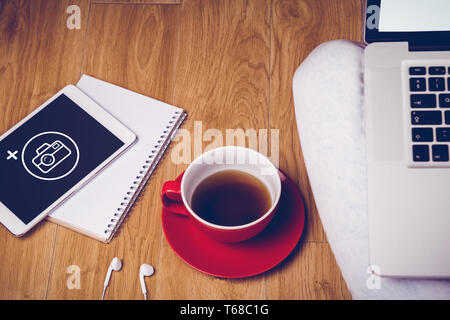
{"x":407,"y":98}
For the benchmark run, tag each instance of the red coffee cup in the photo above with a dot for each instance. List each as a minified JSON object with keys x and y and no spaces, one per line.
{"x":177,"y":195}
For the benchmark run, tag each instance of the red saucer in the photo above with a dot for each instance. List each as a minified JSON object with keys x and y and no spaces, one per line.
{"x":244,"y":259}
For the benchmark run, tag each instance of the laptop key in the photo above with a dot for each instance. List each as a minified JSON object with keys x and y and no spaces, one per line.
{"x":436,"y":70}
{"x":423,"y":101}
{"x":421,"y":153}
{"x":422,"y":134}
{"x":444,"y":100}
{"x":440,"y":152}
{"x":417,"y":84}
{"x":443,"y":134}
{"x":436,"y":84}
{"x":417,"y":71}
{"x":426,"y":117}
{"x":447,"y":117}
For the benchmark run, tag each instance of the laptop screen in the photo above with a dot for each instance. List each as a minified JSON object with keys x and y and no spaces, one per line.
{"x":420,"y":21}
{"x":414,"y":15}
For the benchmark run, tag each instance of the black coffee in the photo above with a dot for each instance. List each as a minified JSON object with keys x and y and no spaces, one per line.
{"x":231,"y":198}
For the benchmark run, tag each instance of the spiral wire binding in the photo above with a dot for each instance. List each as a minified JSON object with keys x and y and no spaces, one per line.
{"x":144,"y":173}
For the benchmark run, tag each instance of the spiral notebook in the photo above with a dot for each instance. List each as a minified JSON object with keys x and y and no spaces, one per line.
{"x":99,"y":208}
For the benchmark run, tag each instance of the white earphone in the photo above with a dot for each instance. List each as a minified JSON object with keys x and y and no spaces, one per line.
{"x":115,"y":265}
{"x":145,"y":270}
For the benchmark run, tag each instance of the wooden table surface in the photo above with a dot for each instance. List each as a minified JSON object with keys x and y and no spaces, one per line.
{"x":229,"y":64}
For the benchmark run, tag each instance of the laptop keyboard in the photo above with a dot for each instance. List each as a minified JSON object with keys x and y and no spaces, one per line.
{"x":428,"y":107}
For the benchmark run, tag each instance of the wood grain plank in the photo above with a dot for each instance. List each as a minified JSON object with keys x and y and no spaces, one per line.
{"x":38,"y":56}
{"x":222,"y":81}
{"x":309,"y":274}
{"x":138,"y":1}
{"x":134,"y":47}
{"x":298,"y":26}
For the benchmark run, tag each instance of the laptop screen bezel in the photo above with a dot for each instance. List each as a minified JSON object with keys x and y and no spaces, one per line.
{"x":432,"y":38}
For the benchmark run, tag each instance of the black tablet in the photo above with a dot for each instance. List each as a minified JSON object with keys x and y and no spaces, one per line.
{"x":53,"y":152}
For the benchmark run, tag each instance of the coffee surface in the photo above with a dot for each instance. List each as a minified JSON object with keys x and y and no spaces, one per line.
{"x":231,"y":198}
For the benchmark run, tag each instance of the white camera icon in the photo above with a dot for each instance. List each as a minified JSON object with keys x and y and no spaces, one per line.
{"x":49,"y":156}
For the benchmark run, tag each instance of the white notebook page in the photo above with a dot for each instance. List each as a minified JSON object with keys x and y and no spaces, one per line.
{"x":91,"y":209}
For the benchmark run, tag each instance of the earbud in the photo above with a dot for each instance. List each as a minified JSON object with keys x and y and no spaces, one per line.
{"x":115,"y":265}
{"x":145,"y":270}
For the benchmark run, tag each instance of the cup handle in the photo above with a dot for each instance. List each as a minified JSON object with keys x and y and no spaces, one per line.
{"x":283,"y":177}
{"x":171,"y":198}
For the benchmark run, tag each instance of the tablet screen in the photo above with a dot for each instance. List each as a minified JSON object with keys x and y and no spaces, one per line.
{"x":49,"y":154}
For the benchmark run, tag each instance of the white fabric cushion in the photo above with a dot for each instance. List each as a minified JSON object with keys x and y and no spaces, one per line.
{"x":328,"y":95}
